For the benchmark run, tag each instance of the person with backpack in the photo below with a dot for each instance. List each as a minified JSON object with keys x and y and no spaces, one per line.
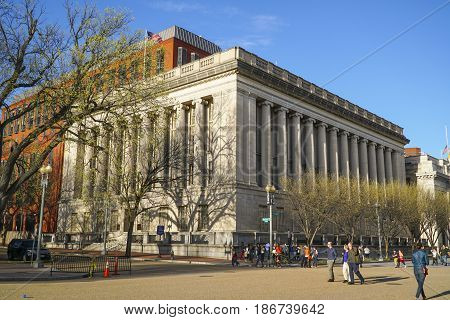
{"x":354,"y":260}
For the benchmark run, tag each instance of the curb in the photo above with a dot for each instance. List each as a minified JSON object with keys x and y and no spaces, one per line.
{"x":46,"y":278}
{"x":181,"y":261}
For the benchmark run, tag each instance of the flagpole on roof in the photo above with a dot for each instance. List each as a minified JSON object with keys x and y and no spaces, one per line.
{"x":446,"y":141}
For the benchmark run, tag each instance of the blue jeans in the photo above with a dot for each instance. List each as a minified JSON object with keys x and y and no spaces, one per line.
{"x":420,"y":278}
{"x":444,"y":260}
{"x":354,"y":269}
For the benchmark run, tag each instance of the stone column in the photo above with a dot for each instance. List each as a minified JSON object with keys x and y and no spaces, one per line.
{"x":282,"y":145}
{"x":354,"y":157}
{"x":266,"y":146}
{"x":388,"y":164}
{"x":309,"y":144}
{"x":251,"y":139}
{"x":295,"y":138}
{"x":333,"y":151}
{"x":363,"y":161}
{"x":322,"y":148}
{"x":200,"y":154}
{"x":182,"y":127}
{"x":395,"y":165}
{"x":380,"y":165}
{"x":344,"y":168}
{"x":402,"y":169}
{"x":242,"y":137}
{"x":372,"y":161}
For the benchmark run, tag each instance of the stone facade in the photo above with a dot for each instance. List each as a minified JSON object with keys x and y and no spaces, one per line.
{"x":277,"y":125}
{"x":430,"y":173}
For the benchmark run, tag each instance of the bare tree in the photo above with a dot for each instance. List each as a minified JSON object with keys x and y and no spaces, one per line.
{"x":75,"y":75}
{"x":313,"y":199}
{"x":205,"y":193}
{"x":141,"y":161}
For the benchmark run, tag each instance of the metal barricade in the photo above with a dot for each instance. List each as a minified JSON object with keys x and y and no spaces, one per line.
{"x":89,"y":264}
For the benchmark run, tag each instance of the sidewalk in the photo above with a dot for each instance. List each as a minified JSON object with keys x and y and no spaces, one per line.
{"x":136,"y":256}
{"x":24,"y":272}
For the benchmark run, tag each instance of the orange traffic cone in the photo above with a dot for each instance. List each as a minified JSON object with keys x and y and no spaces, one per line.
{"x":106,"y":271}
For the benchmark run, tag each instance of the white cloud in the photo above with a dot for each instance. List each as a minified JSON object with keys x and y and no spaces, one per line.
{"x":264,"y":22}
{"x":246,"y":42}
{"x":176,"y":6}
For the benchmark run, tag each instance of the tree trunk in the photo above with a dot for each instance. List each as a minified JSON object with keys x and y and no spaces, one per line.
{"x":386,"y":247}
{"x":130,"y":236}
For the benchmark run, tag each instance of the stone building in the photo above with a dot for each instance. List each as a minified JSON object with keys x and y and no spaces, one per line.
{"x":428,"y":172}
{"x":277,"y":125}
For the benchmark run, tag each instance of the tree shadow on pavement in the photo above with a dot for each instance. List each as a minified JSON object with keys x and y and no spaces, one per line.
{"x":382,"y":279}
{"x":442,"y":294}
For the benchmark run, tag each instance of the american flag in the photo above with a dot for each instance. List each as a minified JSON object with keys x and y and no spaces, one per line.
{"x":445,"y":150}
{"x":154,"y":37}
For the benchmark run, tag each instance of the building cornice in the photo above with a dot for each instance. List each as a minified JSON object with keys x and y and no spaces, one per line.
{"x":238,"y":60}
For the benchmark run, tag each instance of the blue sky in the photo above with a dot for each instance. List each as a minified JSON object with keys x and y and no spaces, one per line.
{"x":406,"y":82}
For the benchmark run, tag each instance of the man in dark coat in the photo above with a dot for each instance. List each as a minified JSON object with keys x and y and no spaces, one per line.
{"x":353,"y":264}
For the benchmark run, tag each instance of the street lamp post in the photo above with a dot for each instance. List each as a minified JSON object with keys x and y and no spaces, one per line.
{"x":379,"y":231}
{"x":45,"y":171}
{"x":270,"y":189}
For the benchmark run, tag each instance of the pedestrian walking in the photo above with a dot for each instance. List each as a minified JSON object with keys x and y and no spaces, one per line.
{"x":401,"y":258}
{"x":361,"y":255}
{"x":395,"y":258}
{"x":366,"y":253}
{"x":434,"y":255}
{"x":444,"y":255}
{"x":315,"y":257}
{"x":354,"y":261}
{"x":345,"y":268}
{"x":331,"y":259}
{"x":234,"y":259}
{"x":307,"y":258}
{"x":277,"y":252}
{"x":419,"y":261}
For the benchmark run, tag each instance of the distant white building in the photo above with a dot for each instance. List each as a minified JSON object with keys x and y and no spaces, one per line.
{"x":429,"y":173}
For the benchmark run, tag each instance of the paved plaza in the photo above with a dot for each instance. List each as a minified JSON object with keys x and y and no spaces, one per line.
{"x":165,"y":280}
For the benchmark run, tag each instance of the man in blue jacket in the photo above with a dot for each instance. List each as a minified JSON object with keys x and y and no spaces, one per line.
{"x":420,"y":262}
{"x":331,"y":259}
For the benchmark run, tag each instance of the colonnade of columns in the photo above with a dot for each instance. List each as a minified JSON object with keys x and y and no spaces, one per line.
{"x":305,"y":144}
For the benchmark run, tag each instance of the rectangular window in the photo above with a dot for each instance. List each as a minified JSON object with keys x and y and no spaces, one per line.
{"x":159,"y":61}
{"x":16,"y":122}
{"x":31,"y":118}
{"x":74,"y":222}
{"x":203,"y":219}
{"x":259,"y":177}
{"x":182,"y":56}
{"x":182,"y":218}
{"x":79,"y":168}
{"x":191,"y":145}
{"x":194,"y":56}
{"x":114,"y":221}
{"x":119,"y":144}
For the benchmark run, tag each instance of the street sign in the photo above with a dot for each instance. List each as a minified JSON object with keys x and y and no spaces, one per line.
{"x":160,"y":230}
{"x":266,"y":220}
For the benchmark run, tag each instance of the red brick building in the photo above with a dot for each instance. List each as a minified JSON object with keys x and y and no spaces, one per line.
{"x":176,"y":47}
